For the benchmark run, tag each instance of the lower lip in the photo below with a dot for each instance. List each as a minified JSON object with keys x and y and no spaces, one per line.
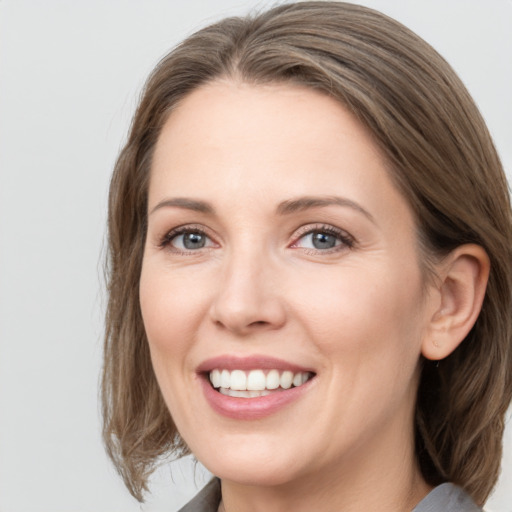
{"x":251,"y":408}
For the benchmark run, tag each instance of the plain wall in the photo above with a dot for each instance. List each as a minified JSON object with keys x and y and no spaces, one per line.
{"x":70,"y":75}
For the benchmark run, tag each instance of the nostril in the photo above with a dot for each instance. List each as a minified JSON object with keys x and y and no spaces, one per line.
{"x":242,"y":314}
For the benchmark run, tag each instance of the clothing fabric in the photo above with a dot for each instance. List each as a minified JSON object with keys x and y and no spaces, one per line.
{"x":207,"y":500}
{"x":444,"y":498}
{"x":449,"y":498}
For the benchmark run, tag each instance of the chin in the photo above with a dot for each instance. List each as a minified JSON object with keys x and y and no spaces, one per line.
{"x":253,"y":472}
{"x":251,"y":460}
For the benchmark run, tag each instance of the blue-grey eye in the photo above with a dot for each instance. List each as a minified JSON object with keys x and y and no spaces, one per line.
{"x":190,"y":240}
{"x":194,"y":240}
{"x":321,"y":240}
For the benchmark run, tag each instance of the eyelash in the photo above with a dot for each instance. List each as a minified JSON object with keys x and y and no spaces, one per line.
{"x":347,"y":241}
{"x":168,"y":238}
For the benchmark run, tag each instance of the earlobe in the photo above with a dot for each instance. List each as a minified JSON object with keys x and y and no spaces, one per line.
{"x":463,"y":276}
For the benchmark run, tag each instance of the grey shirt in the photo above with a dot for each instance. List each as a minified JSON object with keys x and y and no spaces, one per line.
{"x":444,"y":498}
{"x":447,"y":498}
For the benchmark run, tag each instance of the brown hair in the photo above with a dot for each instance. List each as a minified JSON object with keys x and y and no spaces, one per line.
{"x":441,"y":157}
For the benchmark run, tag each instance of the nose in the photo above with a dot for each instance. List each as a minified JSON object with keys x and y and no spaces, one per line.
{"x":247,"y":299}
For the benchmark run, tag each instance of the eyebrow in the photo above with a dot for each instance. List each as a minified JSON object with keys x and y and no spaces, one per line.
{"x":307,"y":202}
{"x":185,"y":203}
{"x":284,"y":208}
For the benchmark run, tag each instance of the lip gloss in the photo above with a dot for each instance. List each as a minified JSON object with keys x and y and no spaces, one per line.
{"x":250,"y":408}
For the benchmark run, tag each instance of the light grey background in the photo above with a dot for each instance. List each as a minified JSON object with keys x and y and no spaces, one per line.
{"x":70,"y":75}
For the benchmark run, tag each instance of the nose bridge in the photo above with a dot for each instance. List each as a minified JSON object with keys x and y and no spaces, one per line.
{"x":247,"y":297}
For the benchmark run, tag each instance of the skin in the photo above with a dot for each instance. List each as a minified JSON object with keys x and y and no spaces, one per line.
{"x":357,"y":314}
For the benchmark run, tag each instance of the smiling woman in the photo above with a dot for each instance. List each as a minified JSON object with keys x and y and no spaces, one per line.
{"x":310,"y":279}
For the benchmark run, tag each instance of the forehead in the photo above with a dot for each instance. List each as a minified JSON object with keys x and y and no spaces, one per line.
{"x":257,"y":113}
{"x":227,"y":140}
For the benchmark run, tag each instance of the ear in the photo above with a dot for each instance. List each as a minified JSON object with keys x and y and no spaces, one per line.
{"x":462,"y":280}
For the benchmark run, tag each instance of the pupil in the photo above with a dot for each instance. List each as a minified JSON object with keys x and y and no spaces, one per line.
{"x":323,"y":241}
{"x":193,"y":241}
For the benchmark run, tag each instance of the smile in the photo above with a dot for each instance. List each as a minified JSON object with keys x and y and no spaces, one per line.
{"x":253,"y":387}
{"x":255,"y":383}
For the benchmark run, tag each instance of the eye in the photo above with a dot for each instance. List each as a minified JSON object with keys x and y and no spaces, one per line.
{"x":187,"y":239}
{"x":319,"y":240}
{"x":190,"y":241}
{"x":323,"y":239}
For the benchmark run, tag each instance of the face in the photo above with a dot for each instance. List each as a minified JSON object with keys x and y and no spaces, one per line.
{"x":281,"y":288}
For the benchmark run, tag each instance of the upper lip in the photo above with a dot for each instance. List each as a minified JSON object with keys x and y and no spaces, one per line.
{"x":254,"y":362}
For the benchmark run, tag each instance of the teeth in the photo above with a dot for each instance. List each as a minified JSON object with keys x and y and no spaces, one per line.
{"x":286,"y":380}
{"x":225,"y":379}
{"x":273,"y":380}
{"x":238,"y":380}
{"x":215,"y":378}
{"x":243,"y":393}
{"x":297,"y":379}
{"x":256,"y":380}
{"x":255,"y":383}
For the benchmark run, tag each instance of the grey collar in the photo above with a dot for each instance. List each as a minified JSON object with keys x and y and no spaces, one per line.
{"x":447,"y":498}
{"x":444,"y":498}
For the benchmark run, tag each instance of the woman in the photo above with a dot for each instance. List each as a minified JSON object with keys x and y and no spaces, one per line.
{"x":310,"y":282}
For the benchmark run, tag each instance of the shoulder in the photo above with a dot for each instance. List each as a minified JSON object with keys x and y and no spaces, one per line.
{"x":207,"y":500}
{"x":447,"y":498}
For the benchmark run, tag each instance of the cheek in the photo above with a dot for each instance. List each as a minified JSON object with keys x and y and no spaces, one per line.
{"x":369,"y":315}
{"x":169,"y":310}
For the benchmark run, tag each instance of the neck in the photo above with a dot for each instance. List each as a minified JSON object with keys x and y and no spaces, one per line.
{"x":333,"y":495}
{"x":381,"y":476}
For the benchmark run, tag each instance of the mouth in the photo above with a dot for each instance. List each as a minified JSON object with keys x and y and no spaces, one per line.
{"x":253,"y":387}
{"x":256,"y":383}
